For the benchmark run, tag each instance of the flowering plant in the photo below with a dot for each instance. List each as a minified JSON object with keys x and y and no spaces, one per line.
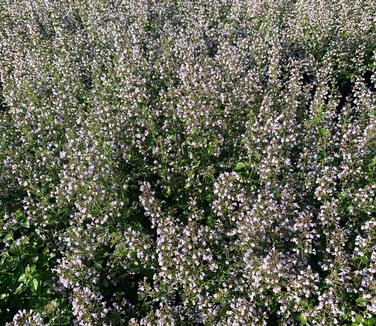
{"x":187,"y":162}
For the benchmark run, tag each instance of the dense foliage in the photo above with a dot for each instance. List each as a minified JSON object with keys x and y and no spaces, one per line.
{"x":187,"y":162}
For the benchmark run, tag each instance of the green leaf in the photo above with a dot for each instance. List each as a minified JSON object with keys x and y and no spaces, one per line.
{"x":26,"y":224}
{"x":167,"y":192}
{"x":19,"y":289}
{"x":323,"y":132}
{"x":362,"y":302}
{"x":19,"y":213}
{"x":302,"y":319}
{"x":35,"y":284}
{"x":22,"y":278}
{"x":141,"y":296}
{"x":365,"y":260}
{"x":3,"y":296}
{"x":358,"y":320}
{"x":8,"y":237}
{"x":240,"y":166}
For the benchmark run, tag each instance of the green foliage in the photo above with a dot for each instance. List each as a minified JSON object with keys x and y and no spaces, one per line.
{"x":26,"y":276}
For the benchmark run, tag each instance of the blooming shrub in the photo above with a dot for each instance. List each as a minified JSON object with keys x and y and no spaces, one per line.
{"x":187,"y":162}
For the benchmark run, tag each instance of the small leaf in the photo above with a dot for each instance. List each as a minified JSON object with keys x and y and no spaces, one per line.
{"x":19,"y":213}
{"x":3,"y":296}
{"x":362,"y":302}
{"x":22,"y":278}
{"x":20,"y":288}
{"x":26,"y":224}
{"x":8,"y":237}
{"x":35,"y":284}
{"x":240,"y":166}
{"x":171,"y":137}
{"x":302,"y":319}
{"x":141,"y":296}
{"x":167,"y":192}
